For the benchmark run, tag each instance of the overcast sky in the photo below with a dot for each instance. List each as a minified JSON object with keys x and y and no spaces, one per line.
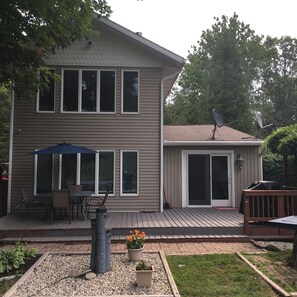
{"x":178,"y":24}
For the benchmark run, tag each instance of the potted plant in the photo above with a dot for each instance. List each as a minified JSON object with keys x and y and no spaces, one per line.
{"x":144,"y":273}
{"x":135,"y":243}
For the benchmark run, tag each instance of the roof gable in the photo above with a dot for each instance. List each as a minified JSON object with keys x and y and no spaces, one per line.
{"x":116,"y":46}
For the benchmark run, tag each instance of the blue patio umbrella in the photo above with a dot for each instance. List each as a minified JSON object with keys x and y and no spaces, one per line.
{"x":64,"y":149}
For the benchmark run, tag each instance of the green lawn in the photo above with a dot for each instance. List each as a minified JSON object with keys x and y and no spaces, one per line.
{"x":216,"y":275}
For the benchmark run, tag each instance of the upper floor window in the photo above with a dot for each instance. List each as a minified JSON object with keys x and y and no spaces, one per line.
{"x":107,"y":91}
{"x":46,"y":97}
{"x":130,"y":91}
{"x":88,"y":91}
{"x":70,"y":90}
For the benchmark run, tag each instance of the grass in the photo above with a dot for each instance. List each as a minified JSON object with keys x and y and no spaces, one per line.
{"x":216,"y":275}
{"x":5,"y":285}
{"x":277,"y":266}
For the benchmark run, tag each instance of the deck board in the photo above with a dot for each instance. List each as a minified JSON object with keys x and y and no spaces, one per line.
{"x":180,"y":222}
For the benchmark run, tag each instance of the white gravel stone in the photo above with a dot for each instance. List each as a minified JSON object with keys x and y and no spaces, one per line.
{"x":55,"y":277}
{"x":282,"y":245}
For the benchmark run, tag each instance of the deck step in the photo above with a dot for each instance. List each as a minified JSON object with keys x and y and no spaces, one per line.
{"x":118,"y":232}
{"x":121,"y":239}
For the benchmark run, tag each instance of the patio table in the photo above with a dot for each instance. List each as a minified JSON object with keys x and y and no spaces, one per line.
{"x":82,"y":197}
{"x":46,"y":198}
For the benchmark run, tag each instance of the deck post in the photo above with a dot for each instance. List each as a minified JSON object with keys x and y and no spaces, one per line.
{"x":246,"y":211}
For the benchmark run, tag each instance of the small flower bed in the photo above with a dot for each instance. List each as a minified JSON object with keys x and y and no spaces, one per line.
{"x":135,"y":240}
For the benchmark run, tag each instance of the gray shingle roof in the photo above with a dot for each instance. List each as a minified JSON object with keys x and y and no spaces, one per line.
{"x":202,"y":134}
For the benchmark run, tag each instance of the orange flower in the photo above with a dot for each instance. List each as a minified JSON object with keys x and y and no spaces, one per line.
{"x":135,"y":240}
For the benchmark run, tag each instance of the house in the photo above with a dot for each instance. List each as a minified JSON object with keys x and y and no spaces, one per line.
{"x":207,"y":167}
{"x":110,"y":99}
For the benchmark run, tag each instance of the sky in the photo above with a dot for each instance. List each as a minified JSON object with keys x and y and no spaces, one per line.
{"x":178,"y":24}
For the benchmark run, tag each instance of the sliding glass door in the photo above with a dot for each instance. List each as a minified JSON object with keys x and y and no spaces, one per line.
{"x":208,"y":179}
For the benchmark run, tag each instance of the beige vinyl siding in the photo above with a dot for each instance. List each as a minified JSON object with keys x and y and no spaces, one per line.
{"x":99,"y":132}
{"x":242,"y":177}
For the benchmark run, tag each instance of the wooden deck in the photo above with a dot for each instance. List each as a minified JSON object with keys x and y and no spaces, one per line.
{"x":177,"y":223}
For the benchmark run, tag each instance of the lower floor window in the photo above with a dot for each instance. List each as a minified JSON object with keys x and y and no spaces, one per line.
{"x":106,"y":172}
{"x":93,"y":171}
{"x":87,"y":172}
{"x":44,"y":173}
{"x":129,"y":172}
{"x":69,"y":164}
{"x":83,"y":170}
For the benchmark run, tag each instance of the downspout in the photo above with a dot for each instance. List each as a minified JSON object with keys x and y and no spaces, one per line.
{"x":11,"y":123}
{"x":162,"y":140}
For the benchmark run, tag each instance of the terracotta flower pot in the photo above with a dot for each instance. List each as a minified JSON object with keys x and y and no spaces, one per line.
{"x":135,"y":254}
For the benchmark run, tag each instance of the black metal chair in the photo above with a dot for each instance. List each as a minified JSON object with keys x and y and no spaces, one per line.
{"x":30,"y":203}
{"x":96,"y":202}
{"x":76,"y":201}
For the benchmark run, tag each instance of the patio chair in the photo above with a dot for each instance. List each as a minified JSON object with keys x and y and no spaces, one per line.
{"x":61,"y":200}
{"x":96,"y":202}
{"x":76,"y":201}
{"x":30,"y":203}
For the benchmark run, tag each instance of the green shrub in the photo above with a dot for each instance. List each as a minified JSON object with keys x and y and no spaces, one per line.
{"x":15,"y":257}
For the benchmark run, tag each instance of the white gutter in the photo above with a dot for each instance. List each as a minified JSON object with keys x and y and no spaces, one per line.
{"x":10,"y":151}
{"x":162,"y":138}
{"x":213,"y":143}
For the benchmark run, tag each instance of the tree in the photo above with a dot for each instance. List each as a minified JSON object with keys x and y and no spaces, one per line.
{"x":4,"y":123}
{"x":221,"y":73}
{"x":279,"y":81}
{"x":283,"y":142}
{"x":30,"y":30}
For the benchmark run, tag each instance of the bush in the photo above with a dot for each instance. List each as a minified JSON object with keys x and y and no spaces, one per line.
{"x":273,"y":169}
{"x":15,"y":257}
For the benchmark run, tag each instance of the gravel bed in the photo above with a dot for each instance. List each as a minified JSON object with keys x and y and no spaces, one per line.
{"x":55,"y":277}
{"x":282,"y":245}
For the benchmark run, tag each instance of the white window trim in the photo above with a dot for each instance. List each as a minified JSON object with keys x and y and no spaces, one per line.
{"x":38,"y":94}
{"x":121,"y":175}
{"x":97,"y":166}
{"x":185,"y":194}
{"x":98,"y":71}
{"x":122,"y":92}
{"x":35,"y":173}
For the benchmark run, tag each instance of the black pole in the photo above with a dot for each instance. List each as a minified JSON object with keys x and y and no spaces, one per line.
{"x":108,"y":249}
{"x":93,"y":246}
{"x":100,"y":256}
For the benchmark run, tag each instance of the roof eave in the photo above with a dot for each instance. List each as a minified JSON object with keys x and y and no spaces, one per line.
{"x":213,"y":143}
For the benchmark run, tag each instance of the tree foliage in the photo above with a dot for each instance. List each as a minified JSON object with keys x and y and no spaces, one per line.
{"x":221,"y":73}
{"x":4,"y":123}
{"x":30,"y":30}
{"x":283,"y":142}
{"x":278,"y":98}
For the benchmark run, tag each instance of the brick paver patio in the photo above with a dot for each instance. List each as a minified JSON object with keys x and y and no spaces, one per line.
{"x":186,"y":248}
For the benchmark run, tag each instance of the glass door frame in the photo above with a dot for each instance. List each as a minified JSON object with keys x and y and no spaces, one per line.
{"x":231,"y":179}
